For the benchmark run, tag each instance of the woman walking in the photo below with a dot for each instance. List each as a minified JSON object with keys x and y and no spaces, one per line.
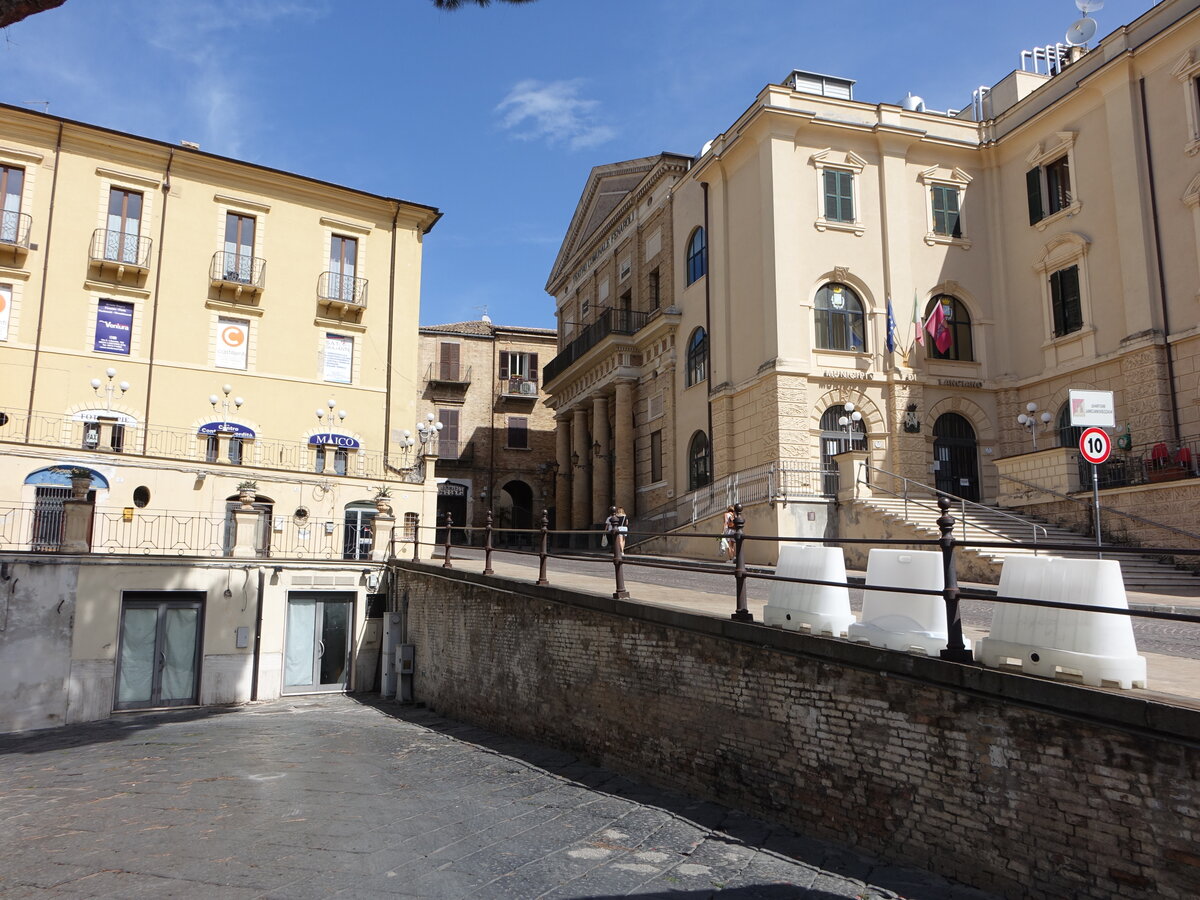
{"x":727,"y":534}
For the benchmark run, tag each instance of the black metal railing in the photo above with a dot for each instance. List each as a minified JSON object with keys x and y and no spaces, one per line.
{"x":610,"y":321}
{"x":519,"y":387}
{"x":460,"y":451}
{"x":120,"y":247}
{"x":15,"y":228}
{"x":238,"y":268}
{"x":446,"y":374}
{"x":334,"y":286}
{"x":950,"y":592}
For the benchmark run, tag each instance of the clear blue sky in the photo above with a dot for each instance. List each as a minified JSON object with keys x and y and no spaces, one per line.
{"x":493,"y":115}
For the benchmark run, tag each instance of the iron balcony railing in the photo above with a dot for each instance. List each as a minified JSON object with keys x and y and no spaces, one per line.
{"x":519,"y":387}
{"x":441,"y":373}
{"x":610,"y":321}
{"x":162,"y":442}
{"x":460,"y":451}
{"x":334,"y":287}
{"x":120,"y":247}
{"x":238,"y":268}
{"x":15,"y":228}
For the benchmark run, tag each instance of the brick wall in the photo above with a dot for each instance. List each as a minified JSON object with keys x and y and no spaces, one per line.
{"x":1009,"y":783}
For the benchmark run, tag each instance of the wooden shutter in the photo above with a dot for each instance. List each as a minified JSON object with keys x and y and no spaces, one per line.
{"x":449,"y":436}
{"x":533,"y":367}
{"x":504,"y":367}
{"x":1033,"y":189}
{"x":449,"y":361}
{"x":518,"y":432}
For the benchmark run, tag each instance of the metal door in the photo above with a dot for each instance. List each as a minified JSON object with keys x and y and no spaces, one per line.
{"x":955,"y":455}
{"x":158,"y":657}
{"x":834,"y":440}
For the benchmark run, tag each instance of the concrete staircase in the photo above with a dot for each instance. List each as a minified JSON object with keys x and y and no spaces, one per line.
{"x":1142,"y":573}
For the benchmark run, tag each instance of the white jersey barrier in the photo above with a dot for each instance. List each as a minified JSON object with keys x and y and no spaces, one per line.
{"x":816,"y":608}
{"x":909,"y":622}
{"x":1094,"y":648}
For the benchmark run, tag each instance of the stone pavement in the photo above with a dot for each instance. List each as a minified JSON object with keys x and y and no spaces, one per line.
{"x":322,"y":796}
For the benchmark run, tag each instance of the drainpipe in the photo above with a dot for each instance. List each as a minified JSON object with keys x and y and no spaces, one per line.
{"x":1158,"y":258}
{"x":712,"y":453}
{"x":258,"y":618}
{"x":162,"y":230}
{"x":387,"y":403}
{"x":37,"y":346}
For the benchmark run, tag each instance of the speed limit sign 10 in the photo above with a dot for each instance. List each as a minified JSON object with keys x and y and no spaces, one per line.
{"x":1095,"y":445}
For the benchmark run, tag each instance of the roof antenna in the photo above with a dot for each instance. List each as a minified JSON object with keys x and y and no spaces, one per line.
{"x":44,"y":104}
{"x":484,"y":317}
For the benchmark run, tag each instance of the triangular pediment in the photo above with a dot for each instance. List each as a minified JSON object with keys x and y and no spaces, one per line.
{"x":608,"y":187}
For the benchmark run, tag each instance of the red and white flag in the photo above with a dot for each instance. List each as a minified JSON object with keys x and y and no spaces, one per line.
{"x":939,"y":328}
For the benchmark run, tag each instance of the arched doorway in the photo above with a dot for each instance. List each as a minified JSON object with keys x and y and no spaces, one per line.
{"x":516,"y":511}
{"x":956,"y":457}
{"x":356,"y":539}
{"x":452,"y":498}
{"x":837,"y":439}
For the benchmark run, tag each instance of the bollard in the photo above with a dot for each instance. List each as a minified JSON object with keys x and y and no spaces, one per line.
{"x":956,"y":650}
{"x":446,"y":564}
{"x":614,"y":538}
{"x":416,"y":537}
{"x":742,"y":614}
{"x":487,"y":546}
{"x":544,"y":549}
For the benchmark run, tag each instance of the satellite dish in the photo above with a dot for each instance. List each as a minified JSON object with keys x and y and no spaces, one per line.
{"x":1089,"y":6}
{"x":1081,"y":31}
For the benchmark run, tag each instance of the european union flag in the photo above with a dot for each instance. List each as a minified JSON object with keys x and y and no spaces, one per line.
{"x":891,"y":335}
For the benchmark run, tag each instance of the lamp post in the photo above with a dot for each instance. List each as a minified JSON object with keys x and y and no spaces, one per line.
{"x":848,"y":421}
{"x":1030,"y":419}
{"x":224,"y":403}
{"x":428,"y":430}
{"x":331,"y":403}
{"x":109,"y":387}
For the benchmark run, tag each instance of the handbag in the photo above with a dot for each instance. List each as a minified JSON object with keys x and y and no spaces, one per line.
{"x":604,"y":541}
{"x":723,"y":548}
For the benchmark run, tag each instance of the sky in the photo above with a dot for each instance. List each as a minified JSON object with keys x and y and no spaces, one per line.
{"x":495,"y":115}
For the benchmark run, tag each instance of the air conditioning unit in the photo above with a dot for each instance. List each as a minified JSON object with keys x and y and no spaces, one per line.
{"x":528,"y":388}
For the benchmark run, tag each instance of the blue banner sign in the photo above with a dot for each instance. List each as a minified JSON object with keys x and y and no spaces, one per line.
{"x":334,"y":440}
{"x":114,"y":327}
{"x":230,"y":429}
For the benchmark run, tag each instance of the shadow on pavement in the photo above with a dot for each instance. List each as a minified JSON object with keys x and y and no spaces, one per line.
{"x":117,"y":727}
{"x":738,"y":827}
{"x":753,"y":892}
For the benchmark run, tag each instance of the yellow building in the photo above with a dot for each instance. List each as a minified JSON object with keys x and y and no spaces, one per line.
{"x":182,"y":329}
{"x":495,"y":450}
{"x":1053,"y":222}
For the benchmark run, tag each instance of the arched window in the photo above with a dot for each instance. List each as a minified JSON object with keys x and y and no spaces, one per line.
{"x":697,"y":357}
{"x":697,"y":256}
{"x":838,"y":438}
{"x":958,"y":320}
{"x":699,"y":462}
{"x":841,"y":324}
{"x":1068,"y":434}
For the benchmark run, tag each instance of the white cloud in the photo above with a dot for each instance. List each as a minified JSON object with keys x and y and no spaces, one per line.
{"x":553,"y":111}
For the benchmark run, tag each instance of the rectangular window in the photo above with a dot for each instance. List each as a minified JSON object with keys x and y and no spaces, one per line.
{"x":517,"y":369}
{"x":1048,"y":189}
{"x":124,"y":225}
{"x":1065,"y":301}
{"x":114,"y":327}
{"x":448,"y":361}
{"x":839,"y":195}
{"x":233,"y":337}
{"x":448,"y":445}
{"x":239,"y":248}
{"x":319,"y":461}
{"x":585,"y":309}
{"x":12,"y":180}
{"x":212,"y":449}
{"x":656,"y":472}
{"x":6,"y":295}
{"x":343,"y":263}
{"x":655,"y":287}
{"x":945,"y":210}
{"x":518,"y":433}
{"x":624,"y":269}
{"x":339,"y":358}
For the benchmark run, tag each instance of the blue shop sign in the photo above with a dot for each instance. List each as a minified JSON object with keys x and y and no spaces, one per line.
{"x":229,"y":429}
{"x":114,"y":325}
{"x":334,"y":440}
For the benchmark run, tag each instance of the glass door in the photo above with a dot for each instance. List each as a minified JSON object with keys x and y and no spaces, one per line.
{"x":239,"y":248}
{"x":317,"y":646}
{"x":124,"y":226}
{"x":159,"y":654}
{"x":343,"y":258}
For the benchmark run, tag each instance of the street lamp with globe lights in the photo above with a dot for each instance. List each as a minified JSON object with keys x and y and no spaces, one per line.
{"x":428,"y":430}
{"x":1030,"y":419}
{"x":851,"y":419}
{"x":109,"y":387}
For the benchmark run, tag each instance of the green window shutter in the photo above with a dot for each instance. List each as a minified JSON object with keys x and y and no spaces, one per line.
{"x":1072,"y":306}
{"x":953,"y":221}
{"x":1033,"y":189}
{"x":831,"y":196}
{"x":839,"y":196}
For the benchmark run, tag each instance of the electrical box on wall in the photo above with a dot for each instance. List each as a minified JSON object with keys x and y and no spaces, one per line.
{"x":242,"y":637}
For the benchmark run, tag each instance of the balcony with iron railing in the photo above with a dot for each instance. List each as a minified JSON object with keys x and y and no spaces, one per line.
{"x":14,"y":230}
{"x":344,"y":293}
{"x":519,"y":388}
{"x":120,"y":249}
{"x":449,"y":374}
{"x":610,"y":321}
{"x":183,"y":444}
{"x":238,"y":270}
{"x":455,"y":452}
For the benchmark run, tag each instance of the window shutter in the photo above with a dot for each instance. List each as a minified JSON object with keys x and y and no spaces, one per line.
{"x":1033,"y":188}
{"x":533,"y":366}
{"x":449,"y":420}
{"x":504,"y":365}
{"x":1072,"y":308}
{"x":518,"y":432}
{"x":449,"y":364}
{"x":831,"y":200}
{"x":954,"y":220}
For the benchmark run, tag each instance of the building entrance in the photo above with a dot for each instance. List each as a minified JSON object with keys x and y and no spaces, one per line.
{"x":955,"y":455}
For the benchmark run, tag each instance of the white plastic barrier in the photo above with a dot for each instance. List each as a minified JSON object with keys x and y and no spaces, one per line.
{"x":817,"y":608}
{"x":1064,"y":643}
{"x":909,"y":622}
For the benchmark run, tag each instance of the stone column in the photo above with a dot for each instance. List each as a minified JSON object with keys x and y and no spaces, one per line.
{"x":626,"y":462}
{"x":562,"y":480}
{"x":77,"y":526}
{"x":852,"y":475}
{"x":245,"y":532}
{"x":581,"y":487}
{"x":601,"y":468}
{"x":382,"y":529}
